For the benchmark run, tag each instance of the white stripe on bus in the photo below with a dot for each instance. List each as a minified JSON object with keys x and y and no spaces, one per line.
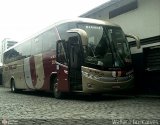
{"x":39,"y":71}
{"x":27,"y":73}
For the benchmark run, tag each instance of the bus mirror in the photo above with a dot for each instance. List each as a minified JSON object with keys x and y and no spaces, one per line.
{"x":136,"y":39}
{"x":82,"y":34}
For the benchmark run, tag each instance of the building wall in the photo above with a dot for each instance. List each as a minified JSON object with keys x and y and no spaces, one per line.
{"x":143,"y":21}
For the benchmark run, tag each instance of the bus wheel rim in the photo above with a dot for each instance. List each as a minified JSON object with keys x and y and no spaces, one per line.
{"x":56,"y":88}
{"x":13,"y":89}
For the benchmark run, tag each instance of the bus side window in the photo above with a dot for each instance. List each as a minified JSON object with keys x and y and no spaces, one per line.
{"x":61,"y":55}
{"x":62,"y":29}
{"x":7,"y":56}
{"x":26,"y":49}
{"x":49,"y":40}
{"x":37,"y":45}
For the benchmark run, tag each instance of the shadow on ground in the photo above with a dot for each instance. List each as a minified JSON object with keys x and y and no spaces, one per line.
{"x":79,"y":96}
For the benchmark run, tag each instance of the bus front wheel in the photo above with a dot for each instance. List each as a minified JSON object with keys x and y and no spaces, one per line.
{"x":57,"y":93}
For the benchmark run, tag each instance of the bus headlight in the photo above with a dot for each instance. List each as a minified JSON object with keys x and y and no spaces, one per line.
{"x":114,"y":73}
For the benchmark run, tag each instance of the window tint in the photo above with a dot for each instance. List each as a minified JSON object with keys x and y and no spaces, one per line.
{"x":26,"y":49}
{"x":18,"y":52}
{"x":9,"y":56}
{"x":44,"y":42}
{"x":37,"y":45}
{"x":63,"y":28}
{"x":49,"y":40}
{"x":61,"y":55}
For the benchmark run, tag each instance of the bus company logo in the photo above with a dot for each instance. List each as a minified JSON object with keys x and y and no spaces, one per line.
{"x":5,"y":121}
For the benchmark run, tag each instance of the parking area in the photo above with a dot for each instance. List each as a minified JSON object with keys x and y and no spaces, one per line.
{"x":43,"y":108}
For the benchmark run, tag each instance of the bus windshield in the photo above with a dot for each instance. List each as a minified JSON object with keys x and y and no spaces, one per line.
{"x":107,"y":46}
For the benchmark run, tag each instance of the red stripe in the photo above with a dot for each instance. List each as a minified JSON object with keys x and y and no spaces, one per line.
{"x":48,"y":58}
{"x":33,"y":71}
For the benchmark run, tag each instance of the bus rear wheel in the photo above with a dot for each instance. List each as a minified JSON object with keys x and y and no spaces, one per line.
{"x":57,"y":93}
{"x":13,"y":87}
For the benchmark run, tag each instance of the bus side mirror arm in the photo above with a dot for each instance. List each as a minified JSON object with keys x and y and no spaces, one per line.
{"x":136,"y":39}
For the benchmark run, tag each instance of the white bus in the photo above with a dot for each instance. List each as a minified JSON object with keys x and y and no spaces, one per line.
{"x":79,"y":55}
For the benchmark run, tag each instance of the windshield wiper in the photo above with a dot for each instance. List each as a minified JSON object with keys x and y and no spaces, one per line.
{"x":92,"y":49}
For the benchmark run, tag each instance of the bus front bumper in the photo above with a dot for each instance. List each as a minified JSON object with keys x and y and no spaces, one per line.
{"x":91,"y":85}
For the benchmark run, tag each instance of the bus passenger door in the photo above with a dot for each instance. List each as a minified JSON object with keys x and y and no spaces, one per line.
{"x":62,"y":68}
{"x":77,"y":42}
{"x":75,"y":62}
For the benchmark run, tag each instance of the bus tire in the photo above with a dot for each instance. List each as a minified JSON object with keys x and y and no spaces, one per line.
{"x":13,"y":87}
{"x":97,"y":95}
{"x":57,"y":94}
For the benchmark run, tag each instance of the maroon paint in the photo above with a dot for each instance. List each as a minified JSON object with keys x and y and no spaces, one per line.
{"x":48,"y":67}
{"x":63,"y":83}
{"x":33,"y":70}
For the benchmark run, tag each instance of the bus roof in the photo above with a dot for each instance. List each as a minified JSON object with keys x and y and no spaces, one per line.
{"x":86,"y":20}
{"x":78,"y":19}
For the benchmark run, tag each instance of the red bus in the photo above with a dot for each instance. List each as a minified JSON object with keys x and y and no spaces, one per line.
{"x":79,"y":55}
